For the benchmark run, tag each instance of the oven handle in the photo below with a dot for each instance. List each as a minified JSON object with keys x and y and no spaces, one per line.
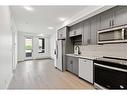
{"x":110,"y":67}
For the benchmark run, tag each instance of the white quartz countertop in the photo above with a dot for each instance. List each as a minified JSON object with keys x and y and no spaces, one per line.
{"x":91,"y":57}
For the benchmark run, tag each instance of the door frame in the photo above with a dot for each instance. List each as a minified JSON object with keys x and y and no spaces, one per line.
{"x":28,"y":58}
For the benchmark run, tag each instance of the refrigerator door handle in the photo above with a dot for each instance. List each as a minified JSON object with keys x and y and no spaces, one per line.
{"x":57,"y":51}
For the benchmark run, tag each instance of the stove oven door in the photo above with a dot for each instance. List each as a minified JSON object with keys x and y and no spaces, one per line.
{"x":110,"y":77}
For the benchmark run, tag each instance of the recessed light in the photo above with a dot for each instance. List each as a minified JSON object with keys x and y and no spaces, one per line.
{"x":62,"y":19}
{"x":28,"y":8}
{"x":50,"y":28}
{"x":41,"y":34}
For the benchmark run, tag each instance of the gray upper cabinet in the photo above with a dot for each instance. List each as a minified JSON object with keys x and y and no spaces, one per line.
{"x":94,"y":27}
{"x":91,"y":26}
{"x":106,"y":19}
{"x":62,"y":33}
{"x":113,"y":17}
{"x":120,"y":14}
{"x":76,"y":29}
{"x":86,"y":33}
{"x":71,"y":31}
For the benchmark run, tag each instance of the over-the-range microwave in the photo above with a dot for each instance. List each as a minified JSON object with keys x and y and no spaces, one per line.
{"x":116,"y":34}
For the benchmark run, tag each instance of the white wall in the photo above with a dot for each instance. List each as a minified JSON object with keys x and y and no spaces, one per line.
{"x":53,"y":39}
{"x":21,"y":44}
{"x":14,"y":43}
{"x":36,"y":55}
{"x":5,"y":47}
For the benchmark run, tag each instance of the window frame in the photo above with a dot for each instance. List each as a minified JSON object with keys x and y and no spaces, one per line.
{"x":43,"y":45}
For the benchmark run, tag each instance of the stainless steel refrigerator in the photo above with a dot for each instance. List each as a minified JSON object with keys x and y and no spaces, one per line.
{"x":60,"y":55}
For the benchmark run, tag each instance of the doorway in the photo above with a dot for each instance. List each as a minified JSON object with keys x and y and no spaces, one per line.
{"x":28,"y":48}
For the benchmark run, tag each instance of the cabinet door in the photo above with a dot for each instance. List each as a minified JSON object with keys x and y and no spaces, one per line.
{"x":78,"y":29}
{"x":106,"y":19}
{"x":62,"y":33}
{"x":94,"y":27}
{"x":69,"y":63}
{"x":86,"y":69}
{"x":71,"y":31}
{"x":120,"y":15}
{"x":86,"y":33}
{"x":75,"y":65}
{"x":59,"y":35}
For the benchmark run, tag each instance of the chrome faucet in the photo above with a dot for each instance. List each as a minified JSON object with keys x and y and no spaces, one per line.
{"x":78,"y":48}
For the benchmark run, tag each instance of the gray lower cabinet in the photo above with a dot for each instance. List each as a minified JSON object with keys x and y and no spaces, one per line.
{"x":69,"y":64}
{"x":72,"y":64}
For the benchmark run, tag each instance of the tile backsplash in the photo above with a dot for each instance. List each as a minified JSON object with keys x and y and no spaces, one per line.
{"x":112,"y":50}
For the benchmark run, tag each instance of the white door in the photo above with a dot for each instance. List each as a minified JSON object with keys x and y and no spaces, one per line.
{"x":59,"y":55}
{"x":28,"y":48}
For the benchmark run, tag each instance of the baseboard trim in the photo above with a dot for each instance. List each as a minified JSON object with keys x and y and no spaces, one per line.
{"x":42,"y":58}
{"x":36,"y":59}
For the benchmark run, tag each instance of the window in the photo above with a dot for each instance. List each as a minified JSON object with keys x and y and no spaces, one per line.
{"x":28,"y":47}
{"x":41,"y":45}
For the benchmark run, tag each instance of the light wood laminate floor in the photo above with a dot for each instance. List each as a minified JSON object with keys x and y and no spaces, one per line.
{"x":41,"y":74}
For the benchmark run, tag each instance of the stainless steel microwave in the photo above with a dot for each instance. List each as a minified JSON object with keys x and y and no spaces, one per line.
{"x":117,"y":34}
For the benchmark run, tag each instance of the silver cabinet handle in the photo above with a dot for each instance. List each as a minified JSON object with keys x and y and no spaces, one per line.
{"x":110,"y":23}
{"x":74,"y":32}
{"x":57,"y":51}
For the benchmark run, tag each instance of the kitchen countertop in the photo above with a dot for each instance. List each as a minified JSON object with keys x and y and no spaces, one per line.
{"x":91,"y":57}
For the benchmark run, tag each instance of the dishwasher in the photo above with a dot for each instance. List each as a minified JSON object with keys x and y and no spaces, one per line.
{"x":86,"y":69}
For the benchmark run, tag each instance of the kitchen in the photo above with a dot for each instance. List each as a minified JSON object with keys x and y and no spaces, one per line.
{"x":76,"y":47}
{"x":95,"y":49}
{"x":82,"y":47}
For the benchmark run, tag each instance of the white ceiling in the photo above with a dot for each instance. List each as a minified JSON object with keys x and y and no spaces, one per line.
{"x":42,"y":17}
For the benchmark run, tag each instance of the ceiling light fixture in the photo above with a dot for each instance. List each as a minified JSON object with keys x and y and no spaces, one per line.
{"x":28,"y":8}
{"x":50,"y":28}
{"x":62,"y":19}
{"x":42,"y":35}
